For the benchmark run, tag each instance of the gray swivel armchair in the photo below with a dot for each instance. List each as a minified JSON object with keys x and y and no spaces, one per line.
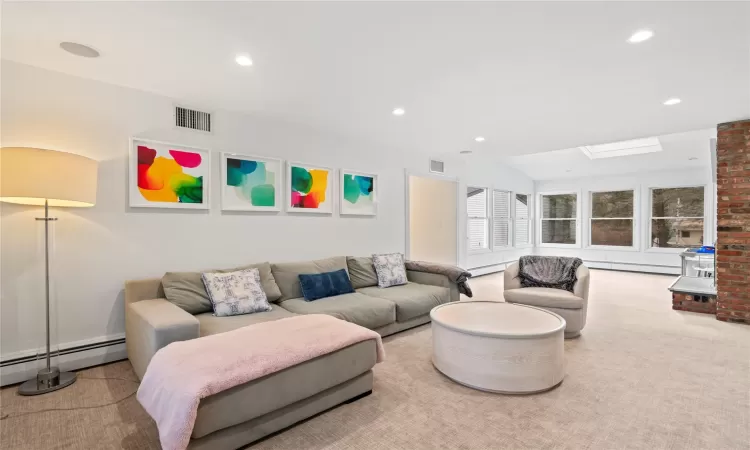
{"x":572,"y":306}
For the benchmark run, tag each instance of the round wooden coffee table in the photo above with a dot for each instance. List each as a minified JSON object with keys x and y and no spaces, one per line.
{"x":498,"y":347}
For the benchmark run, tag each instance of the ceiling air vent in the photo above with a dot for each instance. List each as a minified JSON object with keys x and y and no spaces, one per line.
{"x":192,"y":119}
{"x":437,"y":166}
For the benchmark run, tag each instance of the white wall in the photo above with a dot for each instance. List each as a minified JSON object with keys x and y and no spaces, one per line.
{"x":98,"y":248}
{"x":640,"y":258}
{"x":487,"y":174}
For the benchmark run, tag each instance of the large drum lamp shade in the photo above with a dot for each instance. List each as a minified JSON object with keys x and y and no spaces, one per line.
{"x":29,"y":176}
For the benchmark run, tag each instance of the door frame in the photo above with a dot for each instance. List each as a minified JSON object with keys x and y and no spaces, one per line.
{"x":407,"y":213}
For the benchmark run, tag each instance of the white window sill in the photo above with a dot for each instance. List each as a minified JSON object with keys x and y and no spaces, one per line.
{"x":612,"y":248}
{"x":559,"y":245}
{"x":665,"y":249}
{"x":480,"y":251}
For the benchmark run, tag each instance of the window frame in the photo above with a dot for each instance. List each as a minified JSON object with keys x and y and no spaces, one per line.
{"x":636,"y":219}
{"x":488,"y":207}
{"x":648,"y":229}
{"x":540,"y":218}
{"x":529,"y":220}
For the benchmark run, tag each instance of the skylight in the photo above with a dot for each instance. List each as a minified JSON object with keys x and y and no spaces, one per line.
{"x":623,"y":148}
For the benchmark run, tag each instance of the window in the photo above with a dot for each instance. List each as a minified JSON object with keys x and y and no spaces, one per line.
{"x":477,"y":224}
{"x":522,"y":228}
{"x":500,"y":219}
{"x":559,"y":219}
{"x":612,"y":218}
{"x":677,"y":217}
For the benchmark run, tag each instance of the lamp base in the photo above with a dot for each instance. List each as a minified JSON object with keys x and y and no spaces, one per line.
{"x":47,"y":380}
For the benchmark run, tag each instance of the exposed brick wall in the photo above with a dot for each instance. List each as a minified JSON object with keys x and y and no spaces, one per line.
{"x":694,"y":303}
{"x":733,"y":245}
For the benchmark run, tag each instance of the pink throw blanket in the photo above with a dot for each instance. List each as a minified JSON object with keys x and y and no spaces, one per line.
{"x":182,"y":373}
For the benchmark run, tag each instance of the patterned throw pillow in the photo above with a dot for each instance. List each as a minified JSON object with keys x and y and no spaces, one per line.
{"x":390,"y":269}
{"x":234,"y":293}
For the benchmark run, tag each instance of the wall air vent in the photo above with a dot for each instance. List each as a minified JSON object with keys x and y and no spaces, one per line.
{"x":437,"y":166}
{"x":623,"y":148}
{"x":192,"y":119}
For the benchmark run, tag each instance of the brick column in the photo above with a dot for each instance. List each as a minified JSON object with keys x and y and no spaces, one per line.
{"x":733,"y":221}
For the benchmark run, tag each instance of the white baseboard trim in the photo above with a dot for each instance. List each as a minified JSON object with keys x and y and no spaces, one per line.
{"x":633,"y":267}
{"x":21,"y":366}
{"x":606,"y":265}
{"x":492,"y":268}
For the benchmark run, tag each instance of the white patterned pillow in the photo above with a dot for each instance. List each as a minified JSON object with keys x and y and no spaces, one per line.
{"x":390,"y":269}
{"x":234,"y":293}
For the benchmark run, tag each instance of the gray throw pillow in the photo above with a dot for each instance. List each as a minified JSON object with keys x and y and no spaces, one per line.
{"x":390,"y":268}
{"x":186,"y":289}
{"x":235,"y":293}
{"x":361,"y":272}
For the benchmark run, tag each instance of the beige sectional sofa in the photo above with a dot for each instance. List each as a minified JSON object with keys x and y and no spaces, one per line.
{"x":254,"y":410}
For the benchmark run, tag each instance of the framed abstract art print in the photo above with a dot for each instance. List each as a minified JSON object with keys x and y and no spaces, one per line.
{"x":165,"y":175}
{"x":250,"y":183}
{"x":358,"y":192}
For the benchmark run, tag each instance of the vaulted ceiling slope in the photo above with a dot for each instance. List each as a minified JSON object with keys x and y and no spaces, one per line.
{"x":530,"y":77}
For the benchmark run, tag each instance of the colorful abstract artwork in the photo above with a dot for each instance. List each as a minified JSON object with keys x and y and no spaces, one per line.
{"x":250,"y":183}
{"x":309,"y":188}
{"x":166,"y":175}
{"x":358,"y":193}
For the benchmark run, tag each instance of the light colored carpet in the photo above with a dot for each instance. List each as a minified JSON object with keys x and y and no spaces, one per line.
{"x":641,"y":377}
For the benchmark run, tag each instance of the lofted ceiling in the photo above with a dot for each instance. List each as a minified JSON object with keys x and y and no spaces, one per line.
{"x":690,"y":150}
{"x":530,"y":77}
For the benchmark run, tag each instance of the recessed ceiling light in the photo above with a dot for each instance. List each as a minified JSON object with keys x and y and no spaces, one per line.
{"x":640,"y":36}
{"x":479,"y":139}
{"x":672,"y":101}
{"x":79,"y":49}
{"x":569,"y":170}
{"x":399,"y":112}
{"x":243,"y":60}
{"x":465,"y":152}
{"x":693,"y":158}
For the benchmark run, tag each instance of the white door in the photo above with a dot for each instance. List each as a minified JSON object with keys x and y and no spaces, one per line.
{"x":433,"y":220}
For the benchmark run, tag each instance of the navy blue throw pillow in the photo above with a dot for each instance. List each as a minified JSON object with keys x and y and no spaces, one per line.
{"x":320,"y":285}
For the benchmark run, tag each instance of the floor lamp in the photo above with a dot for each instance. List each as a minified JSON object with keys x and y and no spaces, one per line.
{"x":32,"y":176}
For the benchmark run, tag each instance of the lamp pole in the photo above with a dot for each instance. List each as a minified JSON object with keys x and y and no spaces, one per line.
{"x":50,"y":378}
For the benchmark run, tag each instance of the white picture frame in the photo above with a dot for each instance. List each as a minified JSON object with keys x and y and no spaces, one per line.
{"x":138,"y":196}
{"x":237,"y":198}
{"x":292,"y":197}
{"x":349,"y":208}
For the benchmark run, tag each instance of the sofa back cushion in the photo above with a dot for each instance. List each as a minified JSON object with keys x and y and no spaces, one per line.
{"x":361,"y":272}
{"x":287,"y":274}
{"x":186,"y":289}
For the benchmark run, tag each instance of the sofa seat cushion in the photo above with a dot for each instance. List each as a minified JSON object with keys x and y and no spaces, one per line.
{"x":210,"y":324}
{"x":277,"y":390}
{"x":544,"y":297}
{"x":369,"y":312}
{"x":411,"y":299}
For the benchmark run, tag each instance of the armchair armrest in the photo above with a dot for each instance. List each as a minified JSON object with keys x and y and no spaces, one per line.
{"x":153,"y":324}
{"x":510,"y":277}
{"x":434,"y":279}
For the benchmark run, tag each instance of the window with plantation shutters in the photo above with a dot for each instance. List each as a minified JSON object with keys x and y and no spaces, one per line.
{"x":500,"y":219}
{"x":522,"y":220}
{"x":477,"y":223}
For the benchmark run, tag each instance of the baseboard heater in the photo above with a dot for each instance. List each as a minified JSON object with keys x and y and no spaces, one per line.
{"x":63,"y":352}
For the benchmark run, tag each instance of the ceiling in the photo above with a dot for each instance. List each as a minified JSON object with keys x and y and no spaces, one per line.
{"x":530,"y":77}
{"x":691,"y":150}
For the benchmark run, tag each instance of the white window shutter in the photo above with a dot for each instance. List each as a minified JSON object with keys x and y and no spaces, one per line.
{"x":500,"y":218}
